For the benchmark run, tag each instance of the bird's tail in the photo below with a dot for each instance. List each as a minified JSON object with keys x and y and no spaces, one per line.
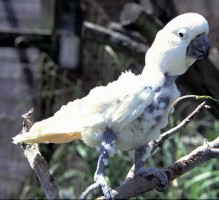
{"x":49,"y":131}
{"x":31,"y":138}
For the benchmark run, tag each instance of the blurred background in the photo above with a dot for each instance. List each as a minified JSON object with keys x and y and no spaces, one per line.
{"x":49,"y":55}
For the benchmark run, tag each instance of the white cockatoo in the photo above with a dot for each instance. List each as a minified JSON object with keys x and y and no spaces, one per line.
{"x":129,"y":112}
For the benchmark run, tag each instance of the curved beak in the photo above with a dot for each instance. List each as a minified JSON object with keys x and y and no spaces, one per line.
{"x":199,"y":47}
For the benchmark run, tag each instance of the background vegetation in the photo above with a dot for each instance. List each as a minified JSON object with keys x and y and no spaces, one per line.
{"x":73,"y":165}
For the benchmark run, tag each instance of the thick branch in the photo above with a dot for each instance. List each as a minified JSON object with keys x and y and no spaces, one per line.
{"x":38,"y":163}
{"x":116,"y":40}
{"x":134,"y":35}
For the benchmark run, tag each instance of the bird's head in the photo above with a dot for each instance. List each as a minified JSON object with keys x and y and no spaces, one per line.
{"x":179,"y":44}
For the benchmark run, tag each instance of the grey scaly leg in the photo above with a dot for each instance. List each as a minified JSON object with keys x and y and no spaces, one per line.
{"x":106,"y":150}
{"x":141,"y":154}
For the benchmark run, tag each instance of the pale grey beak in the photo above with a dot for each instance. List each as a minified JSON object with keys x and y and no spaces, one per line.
{"x":199,"y":47}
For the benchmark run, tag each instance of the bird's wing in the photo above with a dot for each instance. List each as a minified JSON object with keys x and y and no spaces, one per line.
{"x":120,"y":102}
{"x":122,"y":111}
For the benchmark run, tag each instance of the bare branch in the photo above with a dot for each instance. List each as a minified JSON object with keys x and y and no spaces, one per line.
{"x":116,"y":40}
{"x":38,"y":163}
{"x":164,"y":136}
{"x":196,"y":157}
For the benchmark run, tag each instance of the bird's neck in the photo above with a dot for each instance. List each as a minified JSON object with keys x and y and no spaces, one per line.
{"x":156,"y":77}
{"x":169,"y":79}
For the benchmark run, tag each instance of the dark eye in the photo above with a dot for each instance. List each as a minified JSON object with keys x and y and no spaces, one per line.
{"x":181,"y":34}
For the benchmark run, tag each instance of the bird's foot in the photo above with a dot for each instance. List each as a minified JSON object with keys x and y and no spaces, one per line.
{"x":107,"y":191}
{"x":105,"y":188}
{"x":154,"y":172}
{"x":89,"y":189}
{"x":100,"y":183}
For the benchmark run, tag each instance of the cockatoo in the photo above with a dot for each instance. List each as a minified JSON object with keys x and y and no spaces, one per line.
{"x":130,"y":112}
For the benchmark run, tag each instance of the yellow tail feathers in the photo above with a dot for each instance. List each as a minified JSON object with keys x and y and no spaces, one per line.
{"x":31,"y":138}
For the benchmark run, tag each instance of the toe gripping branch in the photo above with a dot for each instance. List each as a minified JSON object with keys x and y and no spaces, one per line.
{"x":106,"y":150}
{"x":141,"y":154}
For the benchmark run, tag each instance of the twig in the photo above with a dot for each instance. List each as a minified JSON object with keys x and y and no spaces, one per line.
{"x":164,"y":136}
{"x":197,"y":97}
{"x":37,"y":162}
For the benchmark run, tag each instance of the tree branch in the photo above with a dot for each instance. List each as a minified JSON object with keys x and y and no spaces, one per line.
{"x":37,"y":162}
{"x":116,"y":40}
{"x":164,"y":136}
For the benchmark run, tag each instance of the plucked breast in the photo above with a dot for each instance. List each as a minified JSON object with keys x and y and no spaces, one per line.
{"x":148,"y":125}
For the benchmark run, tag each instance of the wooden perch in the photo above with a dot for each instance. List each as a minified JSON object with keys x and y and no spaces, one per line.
{"x":116,"y":40}
{"x":38,"y":163}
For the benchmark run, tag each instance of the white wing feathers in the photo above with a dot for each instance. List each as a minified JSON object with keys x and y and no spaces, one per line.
{"x":120,"y":102}
{"x":127,"y":109}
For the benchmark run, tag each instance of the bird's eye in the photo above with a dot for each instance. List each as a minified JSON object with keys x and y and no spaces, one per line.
{"x":182,"y":34}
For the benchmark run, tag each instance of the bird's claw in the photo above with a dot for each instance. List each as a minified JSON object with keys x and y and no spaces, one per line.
{"x":107,"y":191}
{"x":155,"y":172}
{"x":105,"y":188}
{"x":109,"y":194}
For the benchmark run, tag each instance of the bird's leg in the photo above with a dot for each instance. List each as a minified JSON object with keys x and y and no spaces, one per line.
{"x":141,"y":154}
{"x":106,"y":150}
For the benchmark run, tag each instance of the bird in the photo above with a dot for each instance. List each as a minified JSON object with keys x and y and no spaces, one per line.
{"x":131,"y":111}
